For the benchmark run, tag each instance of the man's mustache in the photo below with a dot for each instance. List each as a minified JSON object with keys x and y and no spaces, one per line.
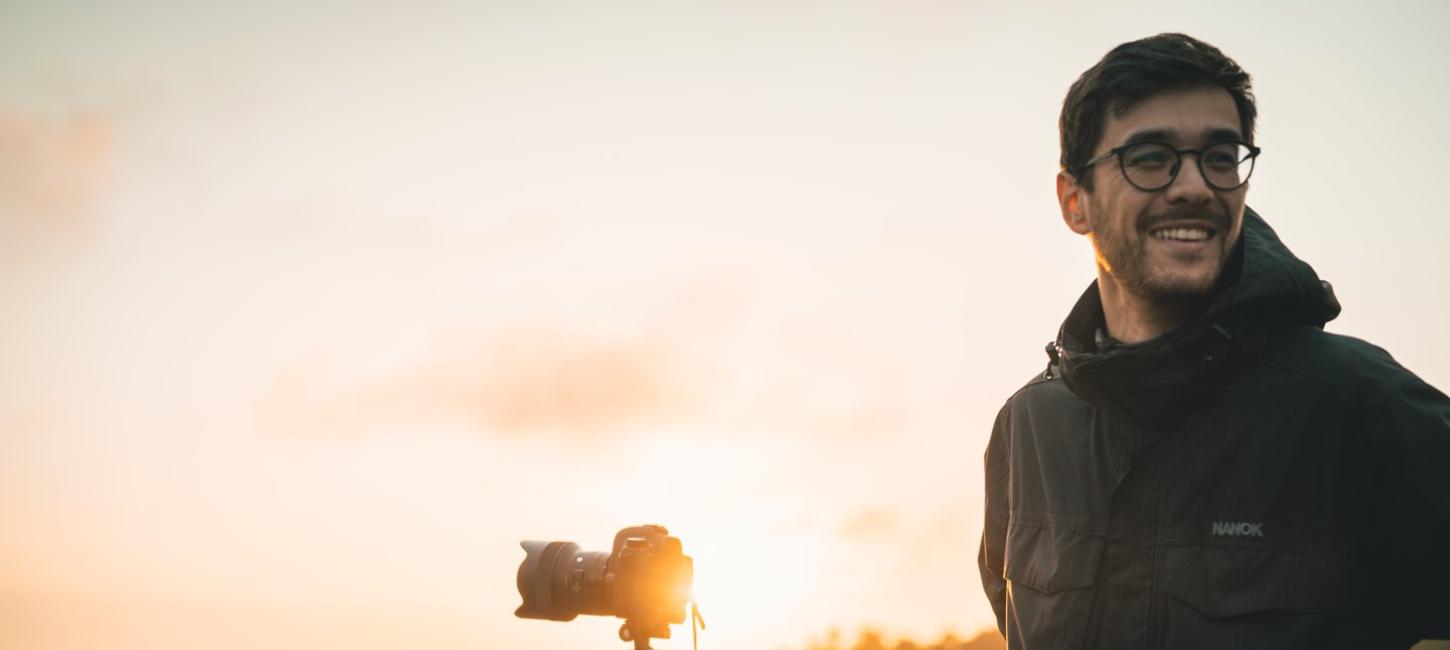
{"x":1187,"y":213}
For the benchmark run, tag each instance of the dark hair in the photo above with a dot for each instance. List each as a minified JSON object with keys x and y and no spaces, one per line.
{"x":1132,"y":72}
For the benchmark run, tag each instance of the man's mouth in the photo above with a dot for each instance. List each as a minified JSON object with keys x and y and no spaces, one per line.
{"x":1190,"y":233}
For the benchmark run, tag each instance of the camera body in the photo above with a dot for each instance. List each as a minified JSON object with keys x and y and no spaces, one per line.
{"x":645,"y":579}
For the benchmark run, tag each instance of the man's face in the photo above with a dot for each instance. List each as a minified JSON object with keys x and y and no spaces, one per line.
{"x":1170,"y":243}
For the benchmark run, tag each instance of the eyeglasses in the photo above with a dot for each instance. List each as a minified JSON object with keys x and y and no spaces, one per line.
{"x":1152,"y":166}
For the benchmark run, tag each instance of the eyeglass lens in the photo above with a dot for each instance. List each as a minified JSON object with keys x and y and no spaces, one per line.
{"x":1153,"y":165}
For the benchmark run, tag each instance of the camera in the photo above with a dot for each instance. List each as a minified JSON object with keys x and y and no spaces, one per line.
{"x":645,"y":580}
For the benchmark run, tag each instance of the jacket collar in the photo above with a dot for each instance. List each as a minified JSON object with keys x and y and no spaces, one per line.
{"x":1264,"y":289}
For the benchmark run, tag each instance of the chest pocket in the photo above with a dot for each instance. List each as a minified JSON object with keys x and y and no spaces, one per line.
{"x":1241,"y":597}
{"x":1050,"y":574}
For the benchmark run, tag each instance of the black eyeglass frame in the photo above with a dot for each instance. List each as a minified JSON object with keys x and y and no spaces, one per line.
{"x":1178,"y":164}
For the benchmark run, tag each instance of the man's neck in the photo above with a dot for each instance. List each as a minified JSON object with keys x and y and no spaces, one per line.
{"x":1133,"y":318}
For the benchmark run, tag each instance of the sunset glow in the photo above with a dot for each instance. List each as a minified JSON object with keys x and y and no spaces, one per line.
{"x":312,"y":313}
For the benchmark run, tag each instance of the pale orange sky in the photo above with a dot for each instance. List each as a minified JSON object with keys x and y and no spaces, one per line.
{"x":310,"y":315}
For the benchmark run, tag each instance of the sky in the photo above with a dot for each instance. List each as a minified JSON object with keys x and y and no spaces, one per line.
{"x":309,"y":314}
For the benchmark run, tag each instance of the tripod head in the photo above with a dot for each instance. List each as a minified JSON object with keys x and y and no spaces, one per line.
{"x":640,"y":632}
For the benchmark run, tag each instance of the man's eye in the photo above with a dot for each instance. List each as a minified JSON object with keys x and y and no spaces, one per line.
{"x":1221,"y":157}
{"x":1156,"y":158}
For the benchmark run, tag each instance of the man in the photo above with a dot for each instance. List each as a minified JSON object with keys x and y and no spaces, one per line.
{"x":1201,"y":465}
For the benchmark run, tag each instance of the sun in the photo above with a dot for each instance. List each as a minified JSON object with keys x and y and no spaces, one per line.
{"x":757,"y":566}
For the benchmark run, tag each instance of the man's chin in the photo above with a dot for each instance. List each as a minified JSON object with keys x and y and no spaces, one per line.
{"x":1178,"y":287}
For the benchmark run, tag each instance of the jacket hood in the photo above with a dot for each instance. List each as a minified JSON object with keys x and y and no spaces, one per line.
{"x":1263,"y":290}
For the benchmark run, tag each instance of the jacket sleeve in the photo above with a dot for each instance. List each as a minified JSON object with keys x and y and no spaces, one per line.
{"x":1414,"y":426}
{"x":990,"y":556}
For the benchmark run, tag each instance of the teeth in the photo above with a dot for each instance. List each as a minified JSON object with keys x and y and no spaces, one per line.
{"x":1181,"y":234}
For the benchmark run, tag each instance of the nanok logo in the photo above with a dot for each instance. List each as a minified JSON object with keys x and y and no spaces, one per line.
{"x":1239,"y":528}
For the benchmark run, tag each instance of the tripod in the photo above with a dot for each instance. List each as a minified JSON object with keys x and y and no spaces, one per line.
{"x":640,"y":631}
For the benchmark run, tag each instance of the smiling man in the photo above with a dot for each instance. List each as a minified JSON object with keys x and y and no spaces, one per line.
{"x":1201,"y":465}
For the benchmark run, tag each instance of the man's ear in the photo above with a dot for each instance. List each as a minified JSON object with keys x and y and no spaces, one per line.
{"x":1070,"y":197}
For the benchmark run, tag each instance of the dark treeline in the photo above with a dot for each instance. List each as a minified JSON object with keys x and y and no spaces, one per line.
{"x":870,"y":639}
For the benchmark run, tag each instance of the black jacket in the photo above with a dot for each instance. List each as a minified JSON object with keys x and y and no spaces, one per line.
{"x":1245,"y":480}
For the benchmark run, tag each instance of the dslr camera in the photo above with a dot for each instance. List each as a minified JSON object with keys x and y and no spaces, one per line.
{"x":645,"y":580}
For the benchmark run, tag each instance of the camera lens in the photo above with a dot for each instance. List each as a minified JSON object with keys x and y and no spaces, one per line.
{"x":558,"y":581}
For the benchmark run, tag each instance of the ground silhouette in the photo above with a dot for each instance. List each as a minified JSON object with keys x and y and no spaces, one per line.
{"x":870,"y":639}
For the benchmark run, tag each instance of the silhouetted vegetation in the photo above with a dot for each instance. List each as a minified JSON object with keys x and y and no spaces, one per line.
{"x":870,"y":639}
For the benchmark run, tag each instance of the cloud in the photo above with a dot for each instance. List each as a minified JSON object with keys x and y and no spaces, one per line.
{"x":52,"y":171}
{"x":869,"y":524}
{"x":547,"y":381}
{"x":709,"y":356}
{"x":540,"y":380}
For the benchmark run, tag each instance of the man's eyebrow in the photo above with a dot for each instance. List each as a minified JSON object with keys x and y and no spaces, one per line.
{"x":1221,"y":134}
{"x":1216,"y":134}
{"x":1151,"y":135}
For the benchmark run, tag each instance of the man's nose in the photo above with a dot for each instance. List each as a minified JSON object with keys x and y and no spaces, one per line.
{"x":1189,"y":185}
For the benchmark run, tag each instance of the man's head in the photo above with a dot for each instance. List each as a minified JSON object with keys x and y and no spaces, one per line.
{"x":1168,"y":242}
